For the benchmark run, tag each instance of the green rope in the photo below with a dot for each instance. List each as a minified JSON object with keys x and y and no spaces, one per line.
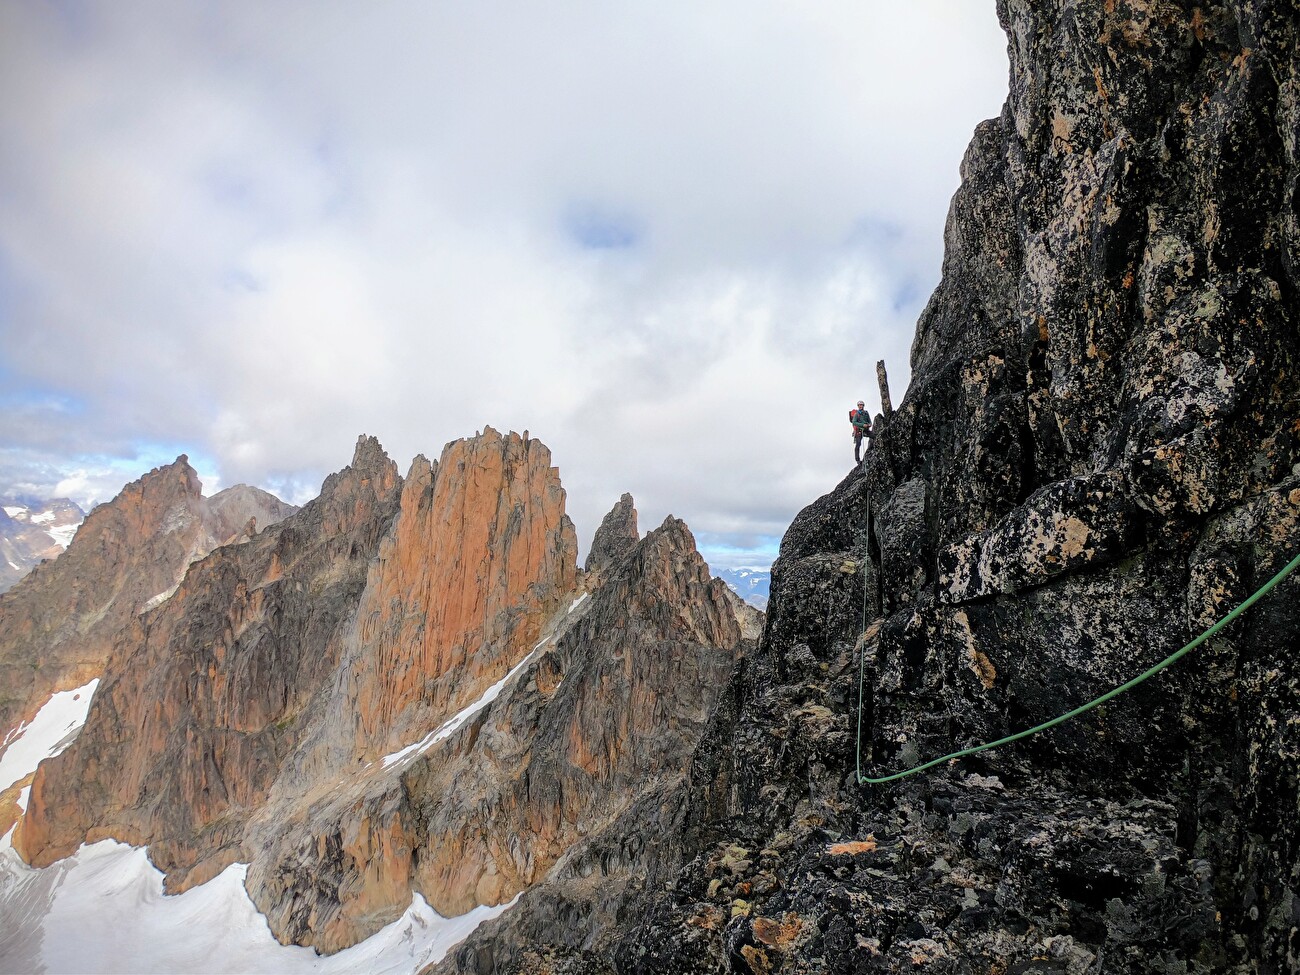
{"x":1116,"y":692}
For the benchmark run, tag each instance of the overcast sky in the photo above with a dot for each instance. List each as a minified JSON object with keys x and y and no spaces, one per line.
{"x":668,"y":239}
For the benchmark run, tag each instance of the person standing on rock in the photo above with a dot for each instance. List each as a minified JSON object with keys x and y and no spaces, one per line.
{"x":861,"y":421}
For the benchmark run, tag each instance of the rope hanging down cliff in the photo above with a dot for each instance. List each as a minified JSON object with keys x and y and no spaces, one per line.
{"x":1061,"y":719}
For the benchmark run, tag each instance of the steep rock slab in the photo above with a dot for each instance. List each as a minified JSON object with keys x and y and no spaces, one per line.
{"x":479,"y":558}
{"x":205,"y":695}
{"x":601,"y":714}
{"x":1097,"y":457}
{"x":613,"y":707}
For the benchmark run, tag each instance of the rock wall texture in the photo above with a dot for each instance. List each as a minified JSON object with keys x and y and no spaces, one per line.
{"x":601,"y":711}
{"x":1097,"y":457}
{"x":480,"y":557}
{"x":57,"y":625}
{"x":614,"y":538}
{"x":204,"y":695}
{"x":602,"y":727}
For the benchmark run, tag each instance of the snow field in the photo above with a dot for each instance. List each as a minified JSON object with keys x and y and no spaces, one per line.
{"x":103,"y":908}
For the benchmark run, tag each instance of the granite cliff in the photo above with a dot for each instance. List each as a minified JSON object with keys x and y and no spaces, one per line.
{"x":1098,"y":455}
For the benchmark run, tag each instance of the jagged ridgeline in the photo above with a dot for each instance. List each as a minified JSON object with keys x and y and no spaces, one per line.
{"x":406,"y":687}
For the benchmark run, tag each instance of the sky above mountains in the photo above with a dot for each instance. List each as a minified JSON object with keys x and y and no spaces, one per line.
{"x":670,"y":240}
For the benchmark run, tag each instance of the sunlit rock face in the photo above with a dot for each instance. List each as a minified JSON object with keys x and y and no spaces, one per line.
{"x":205,"y":693}
{"x":58,"y":624}
{"x":479,"y":557}
{"x":1097,"y":457}
{"x":600,"y":711}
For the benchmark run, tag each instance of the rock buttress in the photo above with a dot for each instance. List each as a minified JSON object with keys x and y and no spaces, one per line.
{"x":615,"y":537}
{"x":480,"y":556}
{"x":600,"y":716}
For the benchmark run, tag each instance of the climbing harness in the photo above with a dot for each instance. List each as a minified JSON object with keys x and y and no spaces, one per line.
{"x":1061,"y":719}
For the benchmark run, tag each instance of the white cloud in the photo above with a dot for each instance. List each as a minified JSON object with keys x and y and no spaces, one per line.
{"x":260,"y":230}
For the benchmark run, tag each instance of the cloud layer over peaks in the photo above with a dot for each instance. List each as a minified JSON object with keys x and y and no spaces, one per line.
{"x":670,"y":240}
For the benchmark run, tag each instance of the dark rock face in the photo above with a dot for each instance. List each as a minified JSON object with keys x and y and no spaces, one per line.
{"x":615,"y":537}
{"x":1099,"y":455}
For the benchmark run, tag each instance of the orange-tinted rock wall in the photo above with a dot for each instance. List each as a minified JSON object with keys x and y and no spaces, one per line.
{"x":481,"y":554}
{"x":609,"y":706}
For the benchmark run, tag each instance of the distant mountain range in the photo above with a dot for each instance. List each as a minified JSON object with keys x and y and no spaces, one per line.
{"x":749,"y":582}
{"x":31,"y":531}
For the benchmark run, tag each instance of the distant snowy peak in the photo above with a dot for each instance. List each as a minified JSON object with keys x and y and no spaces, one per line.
{"x":57,"y":517}
{"x":32,"y":531}
{"x":750,"y":583}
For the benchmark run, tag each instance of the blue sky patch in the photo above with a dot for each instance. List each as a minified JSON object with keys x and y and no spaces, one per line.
{"x":595,"y":227}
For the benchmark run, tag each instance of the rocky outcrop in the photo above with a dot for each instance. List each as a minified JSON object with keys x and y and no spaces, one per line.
{"x":400,"y":688}
{"x":230,"y":511}
{"x":480,"y":557}
{"x":615,"y":538}
{"x":58,"y":626}
{"x":1097,"y":457}
{"x":205,"y":694}
{"x":597,"y":733}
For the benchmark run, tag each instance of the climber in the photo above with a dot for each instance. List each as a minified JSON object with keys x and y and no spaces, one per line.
{"x":861,"y":421}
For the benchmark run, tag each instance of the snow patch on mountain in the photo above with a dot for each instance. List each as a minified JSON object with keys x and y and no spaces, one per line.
{"x":53,"y":729}
{"x":750,"y":582}
{"x":103,"y":909}
{"x":62,"y":534}
{"x":33,"y":531}
{"x":451,"y":725}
